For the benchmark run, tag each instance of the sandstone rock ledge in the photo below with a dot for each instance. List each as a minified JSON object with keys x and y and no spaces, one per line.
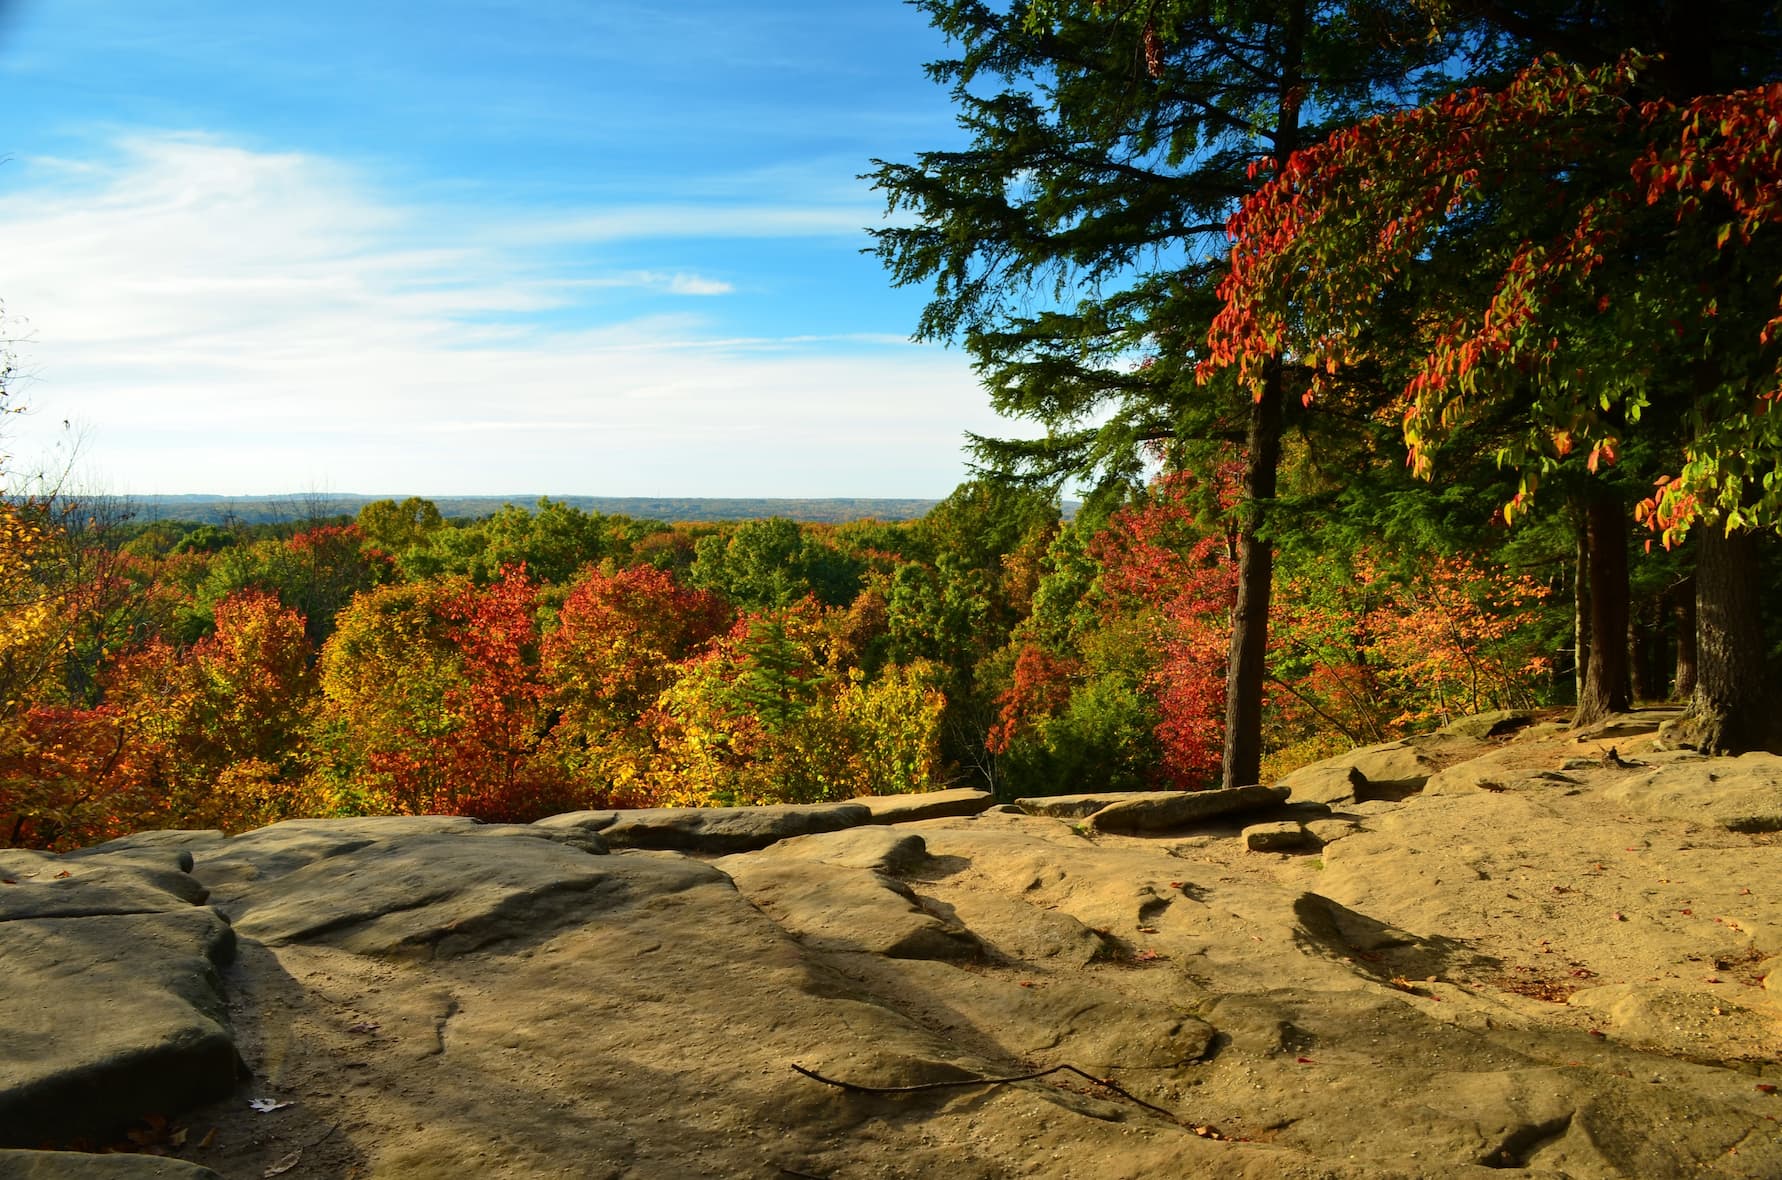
{"x":1562,"y":974}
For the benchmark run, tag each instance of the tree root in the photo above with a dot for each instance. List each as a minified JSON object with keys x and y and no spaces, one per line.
{"x":1104,"y":1083}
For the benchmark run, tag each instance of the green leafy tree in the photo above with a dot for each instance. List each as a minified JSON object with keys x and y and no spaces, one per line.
{"x":397,"y":528}
{"x":206,"y":538}
{"x":772,"y":563}
{"x":976,"y":564}
{"x":553,"y":541}
{"x":315,"y":573}
{"x":1075,"y":244}
{"x":1620,"y":221}
{"x":385,"y":676}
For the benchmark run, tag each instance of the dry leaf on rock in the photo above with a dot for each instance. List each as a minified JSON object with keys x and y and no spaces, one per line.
{"x":284,"y":1165}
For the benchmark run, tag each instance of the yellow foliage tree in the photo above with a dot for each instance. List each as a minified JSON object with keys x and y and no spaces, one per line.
{"x":764,"y":716}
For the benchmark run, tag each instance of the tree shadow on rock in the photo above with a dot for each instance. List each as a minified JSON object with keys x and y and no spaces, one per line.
{"x":1377,"y":949}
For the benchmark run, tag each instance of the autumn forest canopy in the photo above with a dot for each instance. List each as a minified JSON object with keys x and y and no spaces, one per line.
{"x":1419,"y":356}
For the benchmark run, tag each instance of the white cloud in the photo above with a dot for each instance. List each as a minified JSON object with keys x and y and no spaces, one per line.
{"x":241,"y":321}
{"x":683,"y":284}
{"x":677,"y":283}
{"x":713,"y":220}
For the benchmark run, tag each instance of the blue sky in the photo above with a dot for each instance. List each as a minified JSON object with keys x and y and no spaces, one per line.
{"x":471,"y":246}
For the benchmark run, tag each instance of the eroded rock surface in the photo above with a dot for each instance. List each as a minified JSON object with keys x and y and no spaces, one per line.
{"x":1390,"y":770}
{"x":62,"y":1165}
{"x":904,"y":809}
{"x":111,"y":1003}
{"x":1738,"y":794}
{"x":1163,"y":811}
{"x":1540,"y":977}
{"x":717,"y":830}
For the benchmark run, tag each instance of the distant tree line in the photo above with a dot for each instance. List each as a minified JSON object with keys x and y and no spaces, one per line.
{"x":185,"y":674}
{"x":319,"y":508}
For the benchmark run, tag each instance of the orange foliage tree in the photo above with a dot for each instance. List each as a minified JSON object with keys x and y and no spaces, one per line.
{"x":217,"y":730}
{"x":612,"y":653}
{"x":431,"y":703}
{"x":206,"y":737}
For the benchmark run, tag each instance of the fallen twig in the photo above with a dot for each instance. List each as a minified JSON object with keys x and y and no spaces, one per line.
{"x":962,"y":1082}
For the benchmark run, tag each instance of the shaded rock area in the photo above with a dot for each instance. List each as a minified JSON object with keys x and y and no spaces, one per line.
{"x":112,"y":1004}
{"x":715,"y":830}
{"x":1508,"y":965}
{"x":1163,"y":811}
{"x":903,"y":809}
{"x":1494,"y":723}
{"x":1390,"y":771}
{"x":61,"y":1165}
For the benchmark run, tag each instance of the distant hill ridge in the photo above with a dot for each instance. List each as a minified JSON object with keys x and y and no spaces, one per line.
{"x":215,"y":509}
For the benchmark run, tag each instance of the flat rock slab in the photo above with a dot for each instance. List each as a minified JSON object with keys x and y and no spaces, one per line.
{"x":1330,"y":785}
{"x":1415,"y":974}
{"x":265,"y":854}
{"x":442,"y":895}
{"x":110,"y":1018}
{"x":1494,"y":723}
{"x":73,"y":1165}
{"x":1020,"y":931}
{"x":1623,"y":726}
{"x":894,"y":854}
{"x":1163,"y":811}
{"x":1738,"y":794}
{"x":1677,"y":1020}
{"x":1391,"y":768}
{"x":169,"y":839}
{"x":1512,"y":768}
{"x":1076,"y":806}
{"x":1098,"y":1029}
{"x":1280,"y":837}
{"x":718,"y":830}
{"x":842,"y":908}
{"x":581,"y":839}
{"x":34,"y":885}
{"x":905,"y":809}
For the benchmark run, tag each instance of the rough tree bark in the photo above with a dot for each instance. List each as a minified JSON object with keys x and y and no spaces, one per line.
{"x":1247,"y":666}
{"x":1730,"y":710}
{"x":1683,"y":608}
{"x":1580,"y":611}
{"x":1649,"y":647}
{"x":1606,"y":688}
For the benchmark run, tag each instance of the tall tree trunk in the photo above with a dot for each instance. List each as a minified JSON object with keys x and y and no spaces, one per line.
{"x":1247,"y":665}
{"x":1683,"y":606}
{"x":1646,"y":637}
{"x":1636,"y":661}
{"x":1580,"y":612}
{"x":1729,"y":712}
{"x":1606,"y":686}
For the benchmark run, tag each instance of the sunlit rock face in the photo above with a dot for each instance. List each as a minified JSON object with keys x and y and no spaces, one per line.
{"x":1536,"y":968}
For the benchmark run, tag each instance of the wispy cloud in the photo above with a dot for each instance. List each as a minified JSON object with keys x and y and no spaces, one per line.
{"x":705,"y":220}
{"x":238,"y":320}
{"x":677,"y":283}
